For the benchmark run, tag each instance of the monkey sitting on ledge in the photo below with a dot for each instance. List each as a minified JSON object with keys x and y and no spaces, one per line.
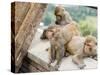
{"x":81,"y":47}
{"x":57,"y":50}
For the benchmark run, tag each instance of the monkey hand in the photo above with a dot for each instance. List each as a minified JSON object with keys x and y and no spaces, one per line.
{"x":56,"y":67}
{"x":81,"y":66}
{"x":51,"y":61}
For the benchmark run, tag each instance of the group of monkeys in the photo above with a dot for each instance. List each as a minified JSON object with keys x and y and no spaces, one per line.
{"x":66,"y":39}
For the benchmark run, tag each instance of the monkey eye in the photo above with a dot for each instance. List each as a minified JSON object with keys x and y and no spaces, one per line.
{"x":88,"y":44}
{"x":96,"y":43}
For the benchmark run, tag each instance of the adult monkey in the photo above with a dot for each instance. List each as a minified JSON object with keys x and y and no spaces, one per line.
{"x":81,"y":47}
{"x":62,"y":16}
{"x":57,"y":50}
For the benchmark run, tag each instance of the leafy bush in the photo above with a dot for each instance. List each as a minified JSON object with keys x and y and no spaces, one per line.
{"x":88,"y":26}
{"x":48,"y":18}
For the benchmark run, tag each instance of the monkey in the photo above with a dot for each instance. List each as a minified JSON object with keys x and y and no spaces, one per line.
{"x":80,"y":47}
{"x":62,"y":16}
{"x":56,"y":51}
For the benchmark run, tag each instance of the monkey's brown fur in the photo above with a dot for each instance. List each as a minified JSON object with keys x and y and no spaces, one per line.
{"x":62,"y":16}
{"x":81,"y":47}
{"x":57,"y":49}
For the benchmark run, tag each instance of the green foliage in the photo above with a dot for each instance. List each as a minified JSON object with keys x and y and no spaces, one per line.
{"x":88,"y":26}
{"x":49,"y":17}
{"x":80,"y":12}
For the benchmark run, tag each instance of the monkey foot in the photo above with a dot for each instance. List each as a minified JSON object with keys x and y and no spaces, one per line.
{"x":56,"y":67}
{"x":50,"y":61}
{"x":66,"y":54}
{"x":81,"y":66}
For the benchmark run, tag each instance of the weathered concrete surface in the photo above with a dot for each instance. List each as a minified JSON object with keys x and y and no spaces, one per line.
{"x":38,"y":53}
{"x":67,"y":64}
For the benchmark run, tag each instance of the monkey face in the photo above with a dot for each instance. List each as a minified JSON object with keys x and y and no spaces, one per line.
{"x":47,"y":34}
{"x":91,"y":47}
{"x":59,"y":10}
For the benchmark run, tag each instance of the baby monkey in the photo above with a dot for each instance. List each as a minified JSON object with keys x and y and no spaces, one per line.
{"x":56,"y":51}
{"x":62,"y":16}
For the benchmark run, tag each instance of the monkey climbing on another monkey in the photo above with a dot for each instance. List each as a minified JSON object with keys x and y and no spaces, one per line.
{"x":57,"y":49}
